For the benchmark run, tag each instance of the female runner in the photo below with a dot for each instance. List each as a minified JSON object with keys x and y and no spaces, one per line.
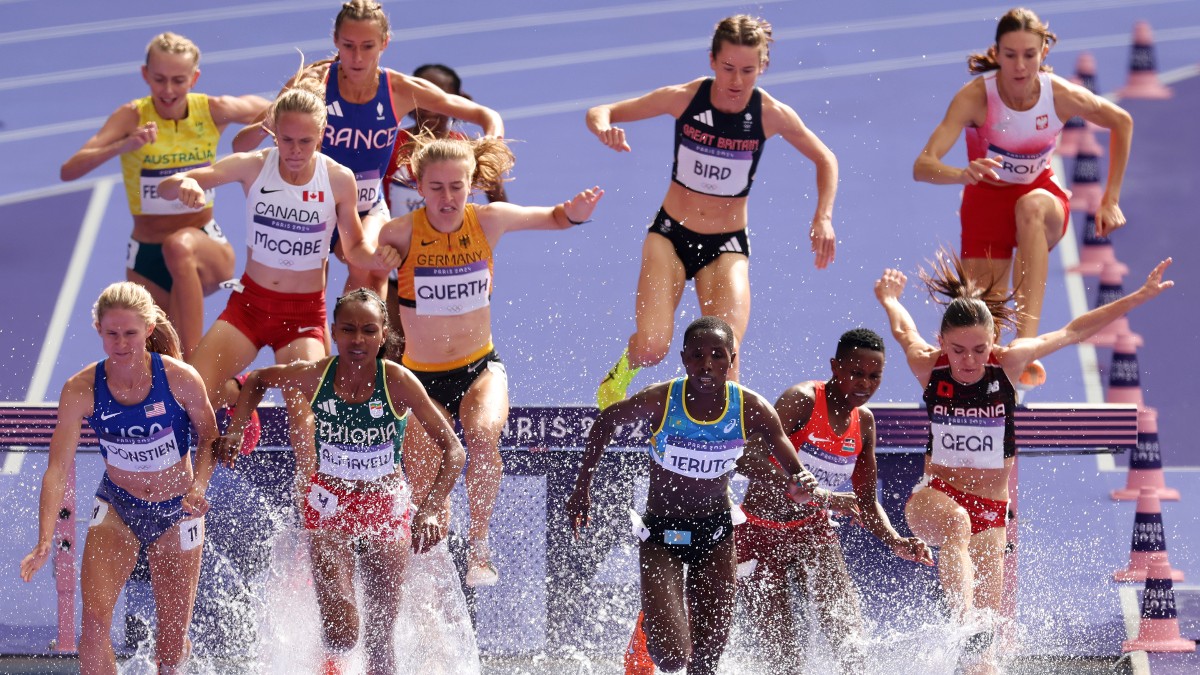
{"x":721,"y":124}
{"x":445,"y":288}
{"x":366,"y":103}
{"x":356,"y":501}
{"x":961,"y":503}
{"x":178,"y":253}
{"x":144,"y":404}
{"x":1011,"y":116}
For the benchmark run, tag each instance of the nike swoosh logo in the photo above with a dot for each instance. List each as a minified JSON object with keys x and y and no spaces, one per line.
{"x":305,"y":329}
{"x":428,"y":243}
{"x":265,"y":191}
{"x":818,"y":439}
{"x":109,"y":416}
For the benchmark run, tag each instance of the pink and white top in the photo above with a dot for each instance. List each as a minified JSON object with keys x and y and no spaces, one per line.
{"x":1023,"y":139}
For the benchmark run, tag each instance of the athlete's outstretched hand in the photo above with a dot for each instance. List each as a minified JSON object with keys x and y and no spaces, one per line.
{"x":578,"y":506}
{"x":1109,"y":218}
{"x":194,"y":502}
{"x":147,"y":133}
{"x":427,"y":530}
{"x":191,"y":194}
{"x":1154,"y":283}
{"x":891,"y":285}
{"x":614,"y":137}
{"x":580,"y":207}
{"x":34,"y":561}
{"x":978,"y":169}
{"x":912,"y":548}
{"x":824,"y":243}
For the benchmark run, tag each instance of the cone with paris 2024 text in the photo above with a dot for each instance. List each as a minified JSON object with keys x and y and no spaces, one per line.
{"x":1124,"y":379}
{"x":1145,"y":463}
{"x":1143,"y":67}
{"x":1095,"y":252}
{"x":1149,"y":544}
{"x":1158,"y":629}
{"x":1111,"y":290}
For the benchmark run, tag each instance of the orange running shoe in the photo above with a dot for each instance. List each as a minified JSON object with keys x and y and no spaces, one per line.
{"x":637,"y":656}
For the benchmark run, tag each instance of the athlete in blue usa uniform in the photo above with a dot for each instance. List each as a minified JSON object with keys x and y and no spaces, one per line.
{"x":701,"y":422}
{"x":143,"y":403}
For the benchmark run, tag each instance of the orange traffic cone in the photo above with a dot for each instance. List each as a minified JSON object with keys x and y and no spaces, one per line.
{"x":1143,"y":68}
{"x":1111,"y":290}
{"x":1145,"y":463}
{"x":1158,"y":630}
{"x":1075,"y":128}
{"x":1124,"y":381}
{"x":1149,"y":545}
{"x":1085,"y":179}
{"x":1095,"y":251}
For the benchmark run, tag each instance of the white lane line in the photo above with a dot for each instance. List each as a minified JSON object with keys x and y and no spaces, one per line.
{"x":69,"y":292}
{"x":577,"y":16}
{"x":436,"y":31}
{"x":1132,"y":615}
{"x":54,"y":190}
{"x":158,"y":20}
{"x":789,"y":77}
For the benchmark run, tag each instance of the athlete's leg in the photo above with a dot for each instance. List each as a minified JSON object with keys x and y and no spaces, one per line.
{"x":422,"y":460}
{"x":222,"y":353}
{"x":668,"y":632}
{"x":940,"y":521}
{"x":382,"y":564}
{"x":767,"y":599}
{"x":1039,"y":217}
{"x":711,"y":586}
{"x":837,"y":604}
{"x":301,"y":427}
{"x":174,"y":575}
{"x":333,"y":561}
{"x":109,"y":555}
{"x":483,"y":413}
{"x":723,"y":288}
{"x":358,"y":277}
{"x":660,"y":287}
{"x":197,"y":263}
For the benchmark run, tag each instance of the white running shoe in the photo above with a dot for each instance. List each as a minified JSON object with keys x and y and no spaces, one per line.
{"x":480,"y":570}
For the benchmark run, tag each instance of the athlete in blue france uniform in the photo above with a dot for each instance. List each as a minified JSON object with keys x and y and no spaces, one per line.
{"x":701,"y":424}
{"x":144,"y":403}
{"x":365,"y":104}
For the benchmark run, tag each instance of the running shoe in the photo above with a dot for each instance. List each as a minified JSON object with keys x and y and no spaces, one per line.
{"x":637,"y":656}
{"x":616,"y":382}
{"x":480,"y":570}
{"x":253,"y":430}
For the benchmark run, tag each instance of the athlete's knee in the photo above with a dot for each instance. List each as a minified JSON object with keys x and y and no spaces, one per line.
{"x":648,"y":349}
{"x":340,"y":636}
{"x":670,"y":660}
{"x":1030,"y":212}
{"x":179,"y":250}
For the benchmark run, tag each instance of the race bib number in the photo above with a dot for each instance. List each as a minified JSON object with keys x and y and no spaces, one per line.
{"x":153,"y":204}
{"x":1021,"y":168}
{"x":191,"y":533}
{"x":142,"y":455}
{"x":322,"y":501}
{"x":99,"y":510}
{"x":832,"y":471}
{"x":968,"y":442}
{"x":351,"y":462}
{"x":370,"y":189}
{"x":450,"y":291}
{"x":701,"y":459}
{"x":713,"y":171}
{"x":288,"y":245}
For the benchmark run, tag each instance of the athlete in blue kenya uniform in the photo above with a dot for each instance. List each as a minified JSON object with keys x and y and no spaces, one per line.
{"x":701,"y":423}
{"x":143,"y":403}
